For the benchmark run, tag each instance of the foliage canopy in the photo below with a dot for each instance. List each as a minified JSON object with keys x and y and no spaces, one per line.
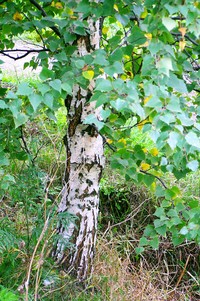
{"x":146,"y":76}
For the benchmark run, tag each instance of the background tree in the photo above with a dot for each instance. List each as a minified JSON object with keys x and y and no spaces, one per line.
{"x":145,"y":73}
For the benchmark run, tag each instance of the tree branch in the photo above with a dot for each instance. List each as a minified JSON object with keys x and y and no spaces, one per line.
{"x":159,"y":179}
{"x":40,"y":8}
{"x":186,"y":36}
{"x":27,"y":52}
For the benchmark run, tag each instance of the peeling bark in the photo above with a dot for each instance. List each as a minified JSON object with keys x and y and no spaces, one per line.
{"x":85,"y":160}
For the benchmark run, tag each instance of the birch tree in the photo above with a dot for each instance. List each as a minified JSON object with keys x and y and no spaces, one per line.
{"x":117,"y":65}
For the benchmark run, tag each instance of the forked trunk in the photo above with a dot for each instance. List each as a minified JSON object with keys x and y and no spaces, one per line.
{"x":84,"y":165}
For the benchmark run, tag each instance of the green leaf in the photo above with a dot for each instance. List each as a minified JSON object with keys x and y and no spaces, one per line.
{"x":184,"y":230}
{"x":193,"y":165}
{"x":193,"y":139}
{"x":3,"y":159}
{"x":43,"y":88}
{"x":35,"y":100}
{"x":11,"y":95}
{"x":154,"y":102}
{"x":154,"y":243}
{"x":173,"y":140}
{"x":48,"y":100}
{"x":103,"y":85}
{"x":162,"y":230}
{"x":169,"y":23}
{"x":143,"y":242}
{"x":20,"y":119}
{"x":24,"y":89}
{"x":174,"y":105}
{"x":164,"y":65}
{"x":67,"y":87}
{"x":92,"y":119}
{"x":137,"y":36}
{"x":105,"y":113}
{"x":119,"y":104}
{"x":3,"y":105}
{"x":100,"y":58}
{"x":176,"y":83}
{"x":117,"y":68}
{"x":139,"y":250}
{"x":56,"y":85}
{"x":160,"y":191}
{"x":177,"y":240}
{"x":46,"y":74}
{"x":149,"y":231}
{"x":159,"y":212}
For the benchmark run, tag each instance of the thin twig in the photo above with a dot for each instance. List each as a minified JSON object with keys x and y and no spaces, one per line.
{"x":25,"y":147}
{"x":150,"y":174}
{"x":40,"y":8}
{"x":33,"y":256}
{"x":183,"y":272}
{"x":186,"y":36}
{"x":128,"y":218}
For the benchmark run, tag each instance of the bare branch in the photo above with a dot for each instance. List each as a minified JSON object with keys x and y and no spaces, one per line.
{"x":177,"y":34}
{"x":27,"y":52}
{"x":40,"y":8}
{"x":159,"y":179}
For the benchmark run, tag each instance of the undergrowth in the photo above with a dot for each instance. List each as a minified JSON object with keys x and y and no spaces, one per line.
{"x":28,"y":222}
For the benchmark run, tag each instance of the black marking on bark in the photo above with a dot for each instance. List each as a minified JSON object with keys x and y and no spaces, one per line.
{"x":82,"y":150}
{"x":75,"y":120}
{"x":91,"y":131}
{"x":68,"y":101}
{"x":88,"y":96}
{"x":89,"y":182}
{"x":87,"y":43}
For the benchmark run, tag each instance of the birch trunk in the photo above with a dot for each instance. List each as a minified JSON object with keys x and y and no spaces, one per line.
{"x":84,"y":146}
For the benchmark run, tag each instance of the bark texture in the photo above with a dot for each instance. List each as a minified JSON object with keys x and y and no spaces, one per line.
{"x":84,"y":146}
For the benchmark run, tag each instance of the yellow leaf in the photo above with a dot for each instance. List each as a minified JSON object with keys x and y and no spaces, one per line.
{"x":145,"y":150}
{"x":122,"y":140}
{"x":147,"y":99}
{"x":116,"y":7}
{"x":17,"y":16}
{"x":150,"y":119}
{"x":105,"y":30}
{"x":145,"y":166}
{"x":182,"y":45}
{"x":182,"y":31}
{"x":73,"y":17}
{"x":141,"y":124}
{"x":109,"y":141}
{"x":146,"y":44}
{"x":58,"y":5}
{"x":153,"y":187}
{"x":69,"y":11}
{"x":123,"y":77}
{"x":127,"y":57}
{"x":154,"y":151}
{"x":89,"y":74}
{"x":144,"y":14}
{"x":148,"y":36}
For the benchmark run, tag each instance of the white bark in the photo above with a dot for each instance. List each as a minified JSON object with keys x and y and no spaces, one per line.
{"x":84,"y":165}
